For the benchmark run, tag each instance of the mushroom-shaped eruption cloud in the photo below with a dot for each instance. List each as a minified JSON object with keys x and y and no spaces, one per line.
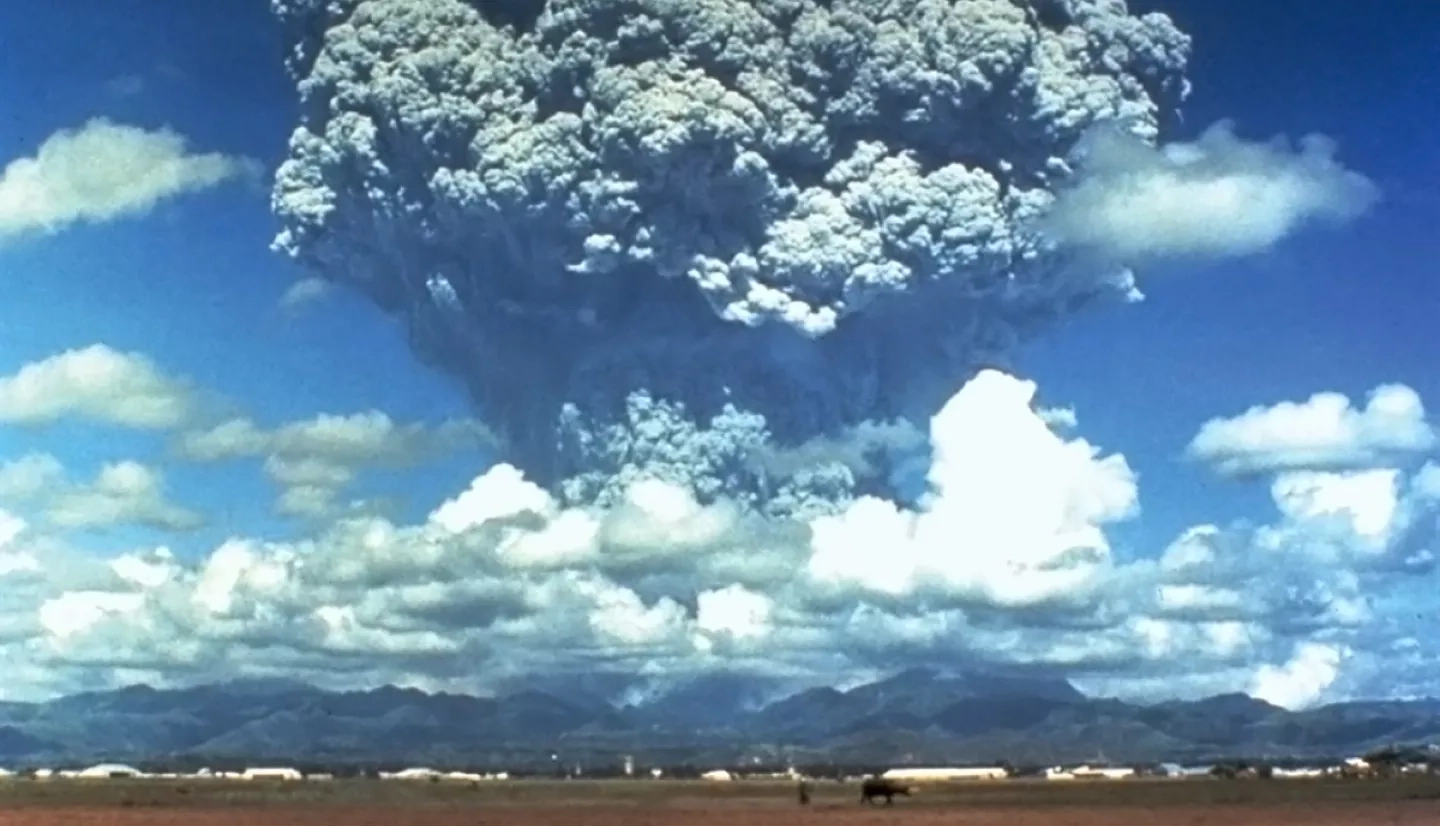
{"x":675,"y":239}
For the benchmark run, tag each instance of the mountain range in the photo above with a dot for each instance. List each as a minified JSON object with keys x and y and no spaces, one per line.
{"x":915,"y":716}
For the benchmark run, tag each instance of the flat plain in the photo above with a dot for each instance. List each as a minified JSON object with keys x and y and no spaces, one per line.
{"x":1413,"y":801}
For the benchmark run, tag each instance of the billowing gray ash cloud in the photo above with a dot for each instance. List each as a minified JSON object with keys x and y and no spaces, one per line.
{"x":678,"y":238}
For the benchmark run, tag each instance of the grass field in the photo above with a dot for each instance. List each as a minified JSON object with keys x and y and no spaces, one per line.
{"x":1398,"y":802}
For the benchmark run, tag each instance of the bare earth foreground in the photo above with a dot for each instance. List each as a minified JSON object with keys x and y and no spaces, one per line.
{"x":1400,"y":802}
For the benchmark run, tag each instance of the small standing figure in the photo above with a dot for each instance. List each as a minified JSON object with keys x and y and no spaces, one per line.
{"x":804,"y":790}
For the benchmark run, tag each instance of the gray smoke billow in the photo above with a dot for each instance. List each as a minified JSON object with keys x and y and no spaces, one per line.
{"x":691,"y":238}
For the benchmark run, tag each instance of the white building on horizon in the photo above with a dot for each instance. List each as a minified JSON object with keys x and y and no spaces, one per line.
{"x":921,"y":775}
{"x":109,"y":770}
{"x":272,"y":773}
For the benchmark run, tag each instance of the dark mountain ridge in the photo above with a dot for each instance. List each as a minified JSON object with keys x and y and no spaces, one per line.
{"x":919,"y":715}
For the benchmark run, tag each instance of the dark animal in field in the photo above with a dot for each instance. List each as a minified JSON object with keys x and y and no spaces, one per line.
{"x":804,"y":791}
{"x":874,"y":787}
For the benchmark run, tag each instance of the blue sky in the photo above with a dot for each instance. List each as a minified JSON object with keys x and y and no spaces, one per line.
{"x":193,"y":285}
{"x":1326,"y":310}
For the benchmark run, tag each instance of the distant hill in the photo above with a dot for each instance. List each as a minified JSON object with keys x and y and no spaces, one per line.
{"x":915,"y":716}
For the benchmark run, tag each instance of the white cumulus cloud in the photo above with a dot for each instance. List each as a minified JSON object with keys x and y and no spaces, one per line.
{"x":1005,"y":560}
{"x":95,"y":383}
{"x":125,"y":492}
{"x":1014,"y":516}
{"x":1322,"y":433}
{"x":103,"y":171}
{"x":1301,"y":680}
{"x":29,"y":476}
{"x":315,"y":460}
{"x":121,"y":493}
{"x":1219,"y":196}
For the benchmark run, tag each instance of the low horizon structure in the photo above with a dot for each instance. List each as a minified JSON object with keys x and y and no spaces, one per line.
{"x":108,"y":770}
{"x":940,"y":774}
{"x":272,"y":773}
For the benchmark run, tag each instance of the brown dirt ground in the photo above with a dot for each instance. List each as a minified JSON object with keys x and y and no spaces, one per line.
{"x":1410,"y":802}
{"x":1395,"y":815}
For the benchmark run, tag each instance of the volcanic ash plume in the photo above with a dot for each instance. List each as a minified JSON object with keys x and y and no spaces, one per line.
{"x":704,"y":240}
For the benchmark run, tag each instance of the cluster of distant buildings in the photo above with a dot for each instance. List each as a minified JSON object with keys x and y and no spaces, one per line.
{"x":420,"y":773}
{"x":120,"y":771}
{"x":939,"y":774}
{"x":1351,"y":767}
